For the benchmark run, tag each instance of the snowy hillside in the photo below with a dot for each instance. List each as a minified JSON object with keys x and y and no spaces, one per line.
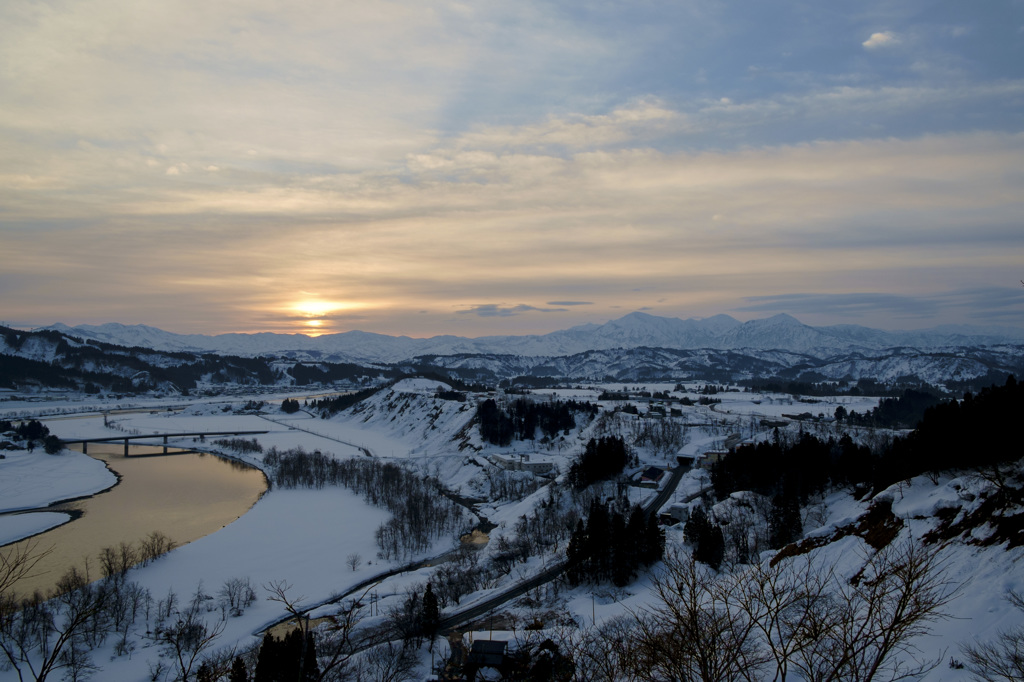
{"x":966,"y":522}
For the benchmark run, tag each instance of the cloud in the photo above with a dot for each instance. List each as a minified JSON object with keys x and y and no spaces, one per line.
{"x":496,"y":310}
{"x":846,"y":305}
{"x":881,"y":39}
{"x":628,"y":123}
{"x":194,"y":163}
{"x":981,"y":303}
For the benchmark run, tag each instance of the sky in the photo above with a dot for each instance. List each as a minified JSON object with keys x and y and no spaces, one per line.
{"x":473,"y":168}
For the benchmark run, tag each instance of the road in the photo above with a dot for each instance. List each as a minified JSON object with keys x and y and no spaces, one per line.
{"x":449,"y":621}
{"x":477,"y":610}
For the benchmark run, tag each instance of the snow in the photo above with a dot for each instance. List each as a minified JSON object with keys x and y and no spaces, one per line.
{"x":634,"y":330}
{"x":29,"y":480}
{"x":305,"y":536}
{"x":14,"y":527}
{"x":300,"y":536}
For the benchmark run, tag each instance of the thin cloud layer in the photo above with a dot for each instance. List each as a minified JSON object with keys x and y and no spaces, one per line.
{"x":199,"y":168}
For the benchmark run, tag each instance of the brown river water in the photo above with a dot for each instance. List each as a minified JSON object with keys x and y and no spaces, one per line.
{"x":184,"y":495}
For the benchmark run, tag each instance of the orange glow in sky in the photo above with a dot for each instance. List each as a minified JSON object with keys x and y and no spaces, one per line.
{"x":509,"y":168}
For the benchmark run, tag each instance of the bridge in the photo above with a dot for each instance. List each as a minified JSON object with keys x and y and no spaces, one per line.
{"x":165,"y":436}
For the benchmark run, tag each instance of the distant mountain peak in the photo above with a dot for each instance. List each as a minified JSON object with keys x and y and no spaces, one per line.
{"x":781,"y":319}
{"x":637,"y":329}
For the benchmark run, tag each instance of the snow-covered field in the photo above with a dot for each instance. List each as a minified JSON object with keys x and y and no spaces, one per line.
{"x":29,"y":480}
{"x":307,"y":536}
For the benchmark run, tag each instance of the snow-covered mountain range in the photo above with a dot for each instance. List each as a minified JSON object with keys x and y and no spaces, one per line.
{"x":635,"y":330}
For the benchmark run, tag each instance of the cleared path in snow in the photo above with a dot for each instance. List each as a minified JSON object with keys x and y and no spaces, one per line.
{"x":448,"y":622}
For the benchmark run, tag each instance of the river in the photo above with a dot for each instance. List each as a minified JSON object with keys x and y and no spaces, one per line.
{"x":184,"y":495}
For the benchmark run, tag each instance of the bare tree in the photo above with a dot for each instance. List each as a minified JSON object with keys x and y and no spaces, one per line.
{"x":865,"y":630}
{"x":692,"y":633}
{"x":387,"y":662}
{"x":237,"y":595}
{"x":1003,"y":659}
{"x":771,"y":622}
{"x":353,"y":560}
{"x":188,"y":636}
{"x":153,"y":546}
{"x":335,"y":636}
{"x":278,"y":590}
{"x":785,"y":603}
{"x":115,"y":561}
{"x":602,"y":653}
{"x":42,"y":636}
{"x":17,"y":563}
{"x":336,"y":642}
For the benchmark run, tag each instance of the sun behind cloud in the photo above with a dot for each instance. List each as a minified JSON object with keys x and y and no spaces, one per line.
{"x":315,"y":310}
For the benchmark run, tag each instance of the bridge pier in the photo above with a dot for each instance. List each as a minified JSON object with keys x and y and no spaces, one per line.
{"x":125,"y":447}
{"x":165,"y":445}
{"x":85,"y":448}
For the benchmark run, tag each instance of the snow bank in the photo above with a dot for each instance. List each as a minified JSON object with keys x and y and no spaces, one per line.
{"x":14,"y":527}
{"x":29,"y":480}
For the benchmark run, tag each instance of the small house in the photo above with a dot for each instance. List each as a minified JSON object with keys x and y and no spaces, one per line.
{"x":677,"y":513}
{"x":523,"y":462}
{"x":712,"y":456}
{"x":652,"y":475}
{"x":486,"y":654}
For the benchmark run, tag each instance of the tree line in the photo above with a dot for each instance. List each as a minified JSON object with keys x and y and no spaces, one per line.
{"x":421,"y":513}
{"x":523,"y":418}
{"x":33,"y":433}
{"x":607,"y":547}
{"x":602,"y":459}
{"x":900,"y":412}
{"x":971,"y":433}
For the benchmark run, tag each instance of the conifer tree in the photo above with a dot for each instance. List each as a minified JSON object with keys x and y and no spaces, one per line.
{"x":205,"y":673}
{"x":653,"y":542}
{"x":784,"y":524}
{"x":238,"y":671}
{"x":706,"y":538}
{"x":431,"y":613}
{"x":623,"y":559}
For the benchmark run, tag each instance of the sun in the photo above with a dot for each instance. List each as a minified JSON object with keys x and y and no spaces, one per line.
{"x":313,"y":310}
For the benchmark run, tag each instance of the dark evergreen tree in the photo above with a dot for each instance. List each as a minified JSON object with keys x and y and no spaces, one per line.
{"x":268,"y":665}
{"x":784,"y":523}
{"x":205,"y":673}
{"x":292,"y":659}
{"x":636,"y":532}
{"x":495,"y":426}
{"x":654,"y":542}
{"x":309,"y":669}
{"x":706,"y":538}
{"x":431,"y":613}
{"x":601,"y":460}
{"x":714,"y":551}
{"x":239,"y":673}
{"x":598,"y":559}
{"x":621,"y":552}
{"x":575,"y":553}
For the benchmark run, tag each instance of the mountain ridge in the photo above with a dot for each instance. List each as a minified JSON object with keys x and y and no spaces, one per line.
{"x":634,"y":330}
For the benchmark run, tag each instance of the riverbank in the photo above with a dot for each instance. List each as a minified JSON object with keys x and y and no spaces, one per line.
{"x":32,"y":480}
{"x":305,"y":537}
{"x":16,"y":527}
